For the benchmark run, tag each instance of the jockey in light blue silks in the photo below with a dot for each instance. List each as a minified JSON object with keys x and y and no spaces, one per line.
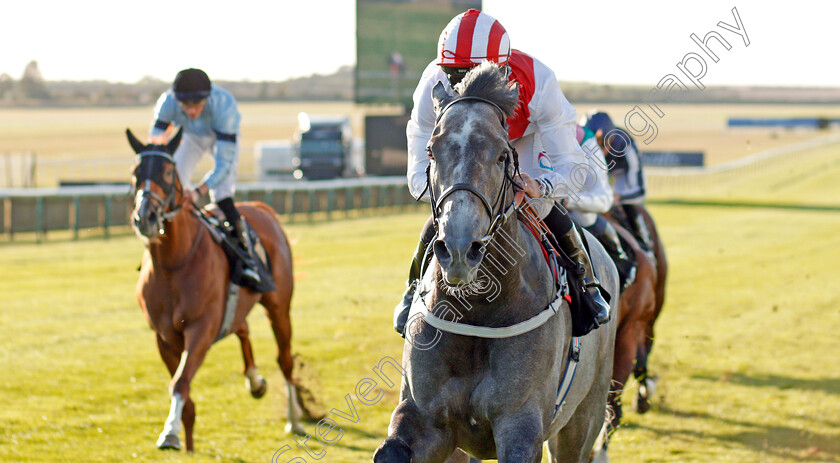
{"x":210,"y":119}
{"x":625,"y":170}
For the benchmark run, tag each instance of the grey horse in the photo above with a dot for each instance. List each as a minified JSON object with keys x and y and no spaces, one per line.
{"x":489,"y":338}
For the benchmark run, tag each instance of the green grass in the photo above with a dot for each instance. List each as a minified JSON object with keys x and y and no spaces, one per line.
{"x":747,"y":345}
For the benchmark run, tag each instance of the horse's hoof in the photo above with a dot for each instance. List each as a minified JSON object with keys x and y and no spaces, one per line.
{"x":295,"y":428}
{"x":260,"y":389}
{"x":169,"y":442}
{"x":646,"y":390}
{"x":641,"y":404}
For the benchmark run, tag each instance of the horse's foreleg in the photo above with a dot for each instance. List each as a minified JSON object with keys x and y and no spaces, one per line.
{"x":254,"y":381}
{"x":519,"y":438}
{"x":168,"y":438}
{"x":626,"y":347}
{"x":411,"y":439}
{"x":197,"y":340}
{"x":647,"y":383}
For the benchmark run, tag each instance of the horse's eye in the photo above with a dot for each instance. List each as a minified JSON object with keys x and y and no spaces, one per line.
{"x":429,"y":152}
{"x":503,"y":157}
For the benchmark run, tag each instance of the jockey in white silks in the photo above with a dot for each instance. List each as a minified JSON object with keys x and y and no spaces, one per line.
{"x":625,"y":171}
{"x":542,"y":131}
{"x":587,"y":212}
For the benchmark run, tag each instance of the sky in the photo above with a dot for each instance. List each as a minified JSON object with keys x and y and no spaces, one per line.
{"x":620,"y":42}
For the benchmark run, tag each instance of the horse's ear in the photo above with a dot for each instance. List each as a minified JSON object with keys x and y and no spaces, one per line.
{"x":136,"y":144}
{"x":176,"y":140}
{"x":439,"y":96}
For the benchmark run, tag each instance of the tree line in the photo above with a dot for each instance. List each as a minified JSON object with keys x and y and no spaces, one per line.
{"x":33,"y":90}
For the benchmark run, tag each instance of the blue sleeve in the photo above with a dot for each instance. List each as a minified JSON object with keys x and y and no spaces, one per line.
{"x":225,"y":124}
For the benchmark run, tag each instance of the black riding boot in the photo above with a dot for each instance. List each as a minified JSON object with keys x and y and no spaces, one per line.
{"x":640,"y":228}
{"x":572,"y":244}
{"x":250,"y":271}
{"x":403,"y":307}
{"x":418,"y":263}
{"x":608,"y":236}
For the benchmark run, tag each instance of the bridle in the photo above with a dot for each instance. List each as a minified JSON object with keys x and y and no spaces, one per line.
{"x":497,"y":211}
{"x":165,"y":208}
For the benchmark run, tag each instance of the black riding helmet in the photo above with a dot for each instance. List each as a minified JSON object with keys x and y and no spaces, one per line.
{"x":616,"y":139}
{"x":191,"y":85}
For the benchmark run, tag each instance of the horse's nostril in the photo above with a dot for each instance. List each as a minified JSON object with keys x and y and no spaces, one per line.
{"x":441,"y":252}
{"x":476,"y":251}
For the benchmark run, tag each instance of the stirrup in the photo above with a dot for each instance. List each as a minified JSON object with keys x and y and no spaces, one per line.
{"x":598,"y":300}
{"x":251,"y":274}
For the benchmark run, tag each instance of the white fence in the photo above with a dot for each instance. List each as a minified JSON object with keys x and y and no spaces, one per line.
{"x":102,"y":207}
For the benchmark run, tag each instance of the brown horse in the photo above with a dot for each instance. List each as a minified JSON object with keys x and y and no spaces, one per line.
{"x":183,"y":286}
{"x":639,"y":308}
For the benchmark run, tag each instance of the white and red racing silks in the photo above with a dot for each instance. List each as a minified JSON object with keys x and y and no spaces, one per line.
{"x":544,"y":121}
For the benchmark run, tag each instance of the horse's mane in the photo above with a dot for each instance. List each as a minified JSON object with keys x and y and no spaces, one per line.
{"x":489,"y":80}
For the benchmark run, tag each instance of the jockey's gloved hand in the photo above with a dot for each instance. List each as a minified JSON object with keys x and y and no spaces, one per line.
{"x":529,"y":185}
{"x":193,"y":195}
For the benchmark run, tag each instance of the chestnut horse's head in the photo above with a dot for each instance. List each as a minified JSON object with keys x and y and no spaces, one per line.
{"x":157,"y":190}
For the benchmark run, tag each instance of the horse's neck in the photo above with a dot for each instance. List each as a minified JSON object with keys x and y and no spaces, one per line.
{"x":515,"y":271}
{"x":177,"y":241}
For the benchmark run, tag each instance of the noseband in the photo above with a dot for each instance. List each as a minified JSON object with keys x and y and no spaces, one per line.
{"x":497,"y":211}
{"x":165,"y":208}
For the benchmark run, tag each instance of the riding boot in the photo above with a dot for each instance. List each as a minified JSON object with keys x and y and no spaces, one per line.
{"x":250,"y":271}
{"x":572,"y":244}
{"x":608,"y":236}
{"x":403,"y":307}
{"x":640,"y":228}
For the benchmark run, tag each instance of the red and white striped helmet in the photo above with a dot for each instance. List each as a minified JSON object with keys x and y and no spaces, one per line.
{"x":471,"y":38}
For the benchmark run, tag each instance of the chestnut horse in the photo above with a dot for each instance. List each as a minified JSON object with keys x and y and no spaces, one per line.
{"x":183,"y":286}
{"x":639,"y":308}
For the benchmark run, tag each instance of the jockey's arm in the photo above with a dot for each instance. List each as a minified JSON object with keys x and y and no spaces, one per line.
{"x":164,"y":115}
{"x":556,"y":126}
{"x":419,"y":131}
{"x":595,"y":195}
{"x":225,"y":125}
{"x":630,"y":183}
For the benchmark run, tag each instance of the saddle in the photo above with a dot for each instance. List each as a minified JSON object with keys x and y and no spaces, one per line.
{"x":224,"y":237}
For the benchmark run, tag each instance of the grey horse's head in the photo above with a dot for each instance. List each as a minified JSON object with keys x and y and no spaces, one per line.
{"x":470,"y":153}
